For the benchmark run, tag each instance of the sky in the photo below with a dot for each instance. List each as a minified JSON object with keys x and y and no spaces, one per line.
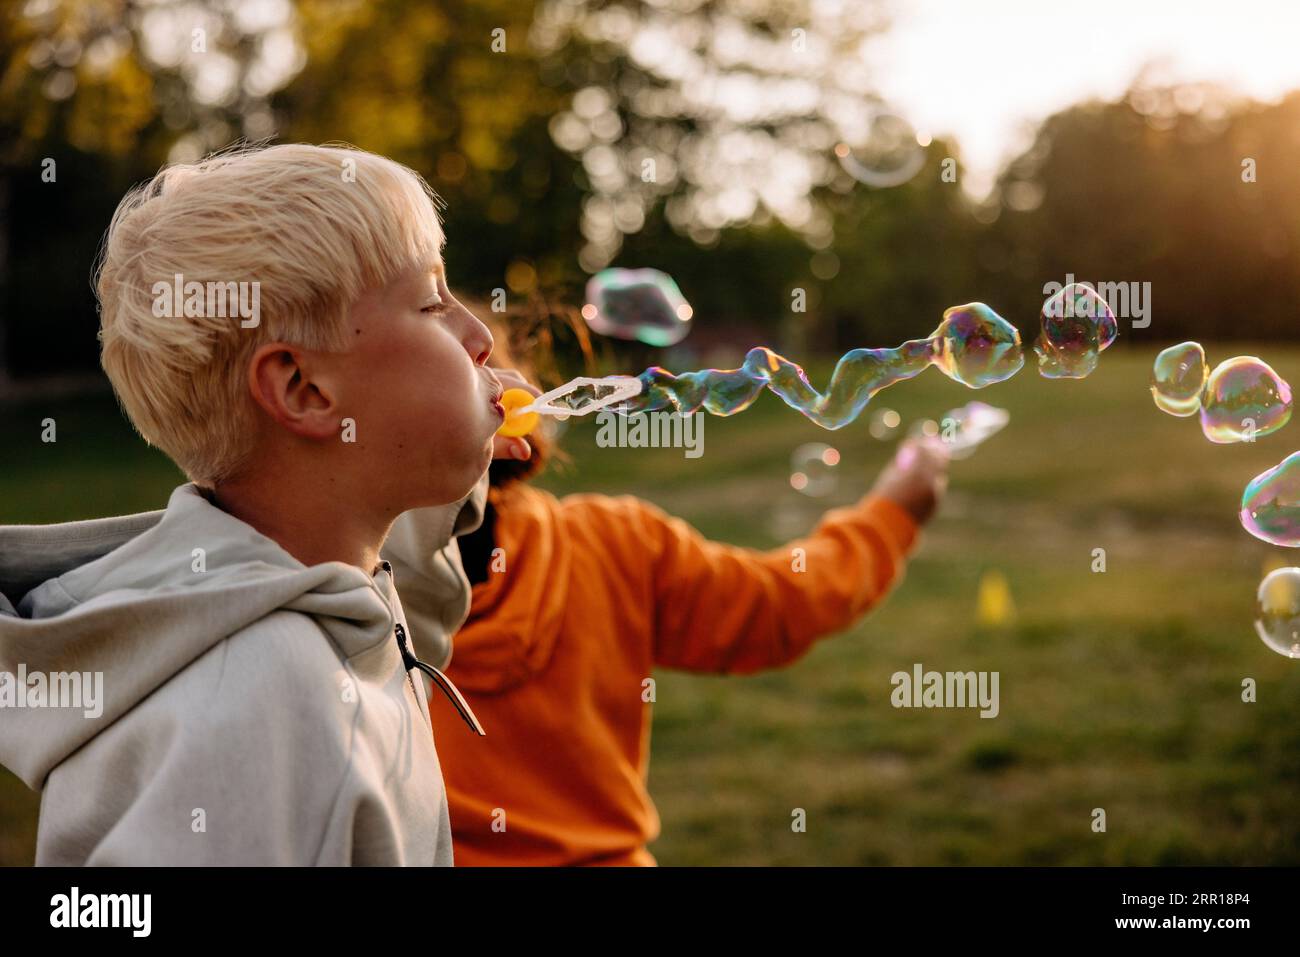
{"x":986,"y":71}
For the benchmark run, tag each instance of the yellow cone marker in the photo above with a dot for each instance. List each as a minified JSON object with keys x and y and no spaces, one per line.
{"x":517,"y":424}
{"x":994,"y":605}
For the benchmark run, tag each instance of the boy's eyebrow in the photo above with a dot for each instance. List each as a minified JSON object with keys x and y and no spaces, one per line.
{"x":431,"y":265}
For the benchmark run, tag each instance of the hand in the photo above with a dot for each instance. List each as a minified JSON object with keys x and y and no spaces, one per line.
{"x":917,"y":477}
{"x":502,"y":447}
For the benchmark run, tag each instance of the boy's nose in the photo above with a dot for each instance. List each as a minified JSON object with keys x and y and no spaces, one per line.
{"x":480,"y":342}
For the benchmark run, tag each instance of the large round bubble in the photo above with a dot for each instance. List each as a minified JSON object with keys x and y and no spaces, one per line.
{"x":1178,"y":379}
{"x":1243,"y":400}
{"x":976,"y":347}
{"x":641,"y":304}
{"x":1270,"y":505}
{"x":1076,"y":326}
{"x":1277,"y":619}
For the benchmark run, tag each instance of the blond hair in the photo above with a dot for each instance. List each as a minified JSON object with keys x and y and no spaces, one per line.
{"x":313,"y":226}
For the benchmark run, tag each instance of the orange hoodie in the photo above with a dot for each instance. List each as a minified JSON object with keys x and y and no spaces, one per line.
{"x":588,"y":595}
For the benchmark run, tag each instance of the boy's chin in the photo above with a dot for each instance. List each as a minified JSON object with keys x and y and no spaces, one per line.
{"x":455,"y":481}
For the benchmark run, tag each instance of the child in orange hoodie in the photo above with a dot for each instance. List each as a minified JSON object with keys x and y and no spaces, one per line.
{"x":577,"y":600}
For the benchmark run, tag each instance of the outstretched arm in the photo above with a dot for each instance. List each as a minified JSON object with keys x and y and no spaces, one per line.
{"x":726,"y":609}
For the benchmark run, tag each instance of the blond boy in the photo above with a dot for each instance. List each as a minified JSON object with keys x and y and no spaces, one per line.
{"x":258,"y":700}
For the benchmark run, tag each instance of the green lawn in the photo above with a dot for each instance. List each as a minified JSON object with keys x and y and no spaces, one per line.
{"x":1119,"y":690}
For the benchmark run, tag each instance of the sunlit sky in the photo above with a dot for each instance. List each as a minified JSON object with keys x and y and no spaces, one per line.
{"x":987,"y":71}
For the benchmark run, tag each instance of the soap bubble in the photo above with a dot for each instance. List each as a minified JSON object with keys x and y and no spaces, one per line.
{"x":888,"y":154}
{"x":884,"y":423}
{"x":1077,"y":325}
{"x":1278,"y":611}
{"x":975,"y":346}
{"x":1243,"y":400}
{"x":858,"y":376}
{"x":642,"y":304}
{"x":1270,"y":505}
{"x":813,"y":468}
{"x":1178,"y":378}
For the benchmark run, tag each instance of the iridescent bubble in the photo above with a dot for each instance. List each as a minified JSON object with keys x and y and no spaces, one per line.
{"x":1277,"y":619}
{"x":813,"y":469}
{"x":976,"y":347}
{"x":1077,"y":324}
{"x":1178,"y":379}
{"x":1270,"y":505}
{"x":884,"y":154}
{"x":1243,"y":400}
{"x":884,"y":423}
{"x":643,"y":304}
{"x":973,"y":345}
{"x":858,"y":376}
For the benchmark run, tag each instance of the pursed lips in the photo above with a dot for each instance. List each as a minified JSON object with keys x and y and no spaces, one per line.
{"x":494,"y":400}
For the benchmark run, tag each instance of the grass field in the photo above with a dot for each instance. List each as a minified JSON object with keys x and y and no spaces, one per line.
{"x":1119,"y":690}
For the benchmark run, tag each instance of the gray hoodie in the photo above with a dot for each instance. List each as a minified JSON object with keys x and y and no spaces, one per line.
{"x":250,"y":709}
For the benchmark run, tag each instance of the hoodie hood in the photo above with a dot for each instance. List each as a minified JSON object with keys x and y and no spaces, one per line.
{"x":425,"y":559}
{"x":515,"y":619}
{"x":138,"y":598}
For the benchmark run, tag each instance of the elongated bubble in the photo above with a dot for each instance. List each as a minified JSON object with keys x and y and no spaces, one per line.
{"x":1277,"y":620}
{"x":1076,"y":326}
{"x":973,"y":345}
{"x":1270,"y":505}
{"x":858,"y":376}
{"x":1178,"y":379}
{"x":1243,"y":400}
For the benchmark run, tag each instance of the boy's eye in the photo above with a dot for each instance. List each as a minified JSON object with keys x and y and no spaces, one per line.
{"x":435,"y":306}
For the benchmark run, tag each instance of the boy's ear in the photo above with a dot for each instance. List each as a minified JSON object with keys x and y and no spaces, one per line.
{"x":280,"y":380}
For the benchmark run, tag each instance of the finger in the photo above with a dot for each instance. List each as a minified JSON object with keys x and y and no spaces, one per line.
{"x":937,"y":453}
{"x":915,"y":451}
{"x":506,"y":447}
{"x":933,"y":451}
{"x":906,"y":456}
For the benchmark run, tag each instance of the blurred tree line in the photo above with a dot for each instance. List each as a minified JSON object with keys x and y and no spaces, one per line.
{"x":533,"y":120}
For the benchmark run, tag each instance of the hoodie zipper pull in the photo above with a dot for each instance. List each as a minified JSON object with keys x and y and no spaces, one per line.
{"x":453,"y":694}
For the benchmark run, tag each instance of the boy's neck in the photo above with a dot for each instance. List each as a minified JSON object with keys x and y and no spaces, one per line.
{"x":313,"y":522}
